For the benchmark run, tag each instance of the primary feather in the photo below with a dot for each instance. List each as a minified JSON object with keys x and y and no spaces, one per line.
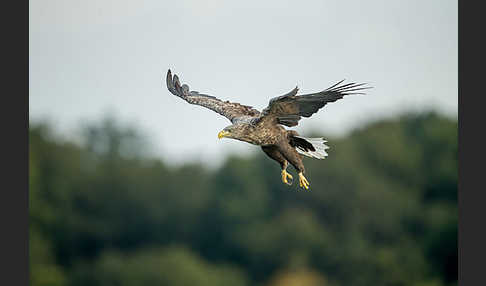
{"x":289,"y":108}
{"x":230,"y":110}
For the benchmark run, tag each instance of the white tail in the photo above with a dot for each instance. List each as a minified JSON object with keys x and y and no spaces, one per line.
{"x":319,"y":146}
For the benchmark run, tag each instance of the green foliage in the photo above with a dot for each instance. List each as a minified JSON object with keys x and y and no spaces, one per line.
{"x":42,"y":267}
{"x":174,"y":265}
{"x":381,"y":210}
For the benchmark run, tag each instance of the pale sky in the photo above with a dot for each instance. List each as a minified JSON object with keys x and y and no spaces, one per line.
{"x":93,"y":57}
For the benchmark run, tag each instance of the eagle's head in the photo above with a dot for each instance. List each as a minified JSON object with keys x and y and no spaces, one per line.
{"x":235,"y":131}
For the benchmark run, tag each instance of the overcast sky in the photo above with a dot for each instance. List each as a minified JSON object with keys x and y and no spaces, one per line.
{"x":90,"y":58}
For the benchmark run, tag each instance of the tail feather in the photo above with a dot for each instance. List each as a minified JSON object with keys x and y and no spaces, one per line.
{"x":311,"y":147}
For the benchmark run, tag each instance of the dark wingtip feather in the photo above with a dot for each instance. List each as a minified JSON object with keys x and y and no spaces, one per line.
{"x":344,"y":86}
{"x":336,"y":84}
{"x":170,"y":82}
{"x":349,"y":88}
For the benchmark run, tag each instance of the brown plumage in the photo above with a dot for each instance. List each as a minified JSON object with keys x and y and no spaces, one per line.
{"x":265,"y":128}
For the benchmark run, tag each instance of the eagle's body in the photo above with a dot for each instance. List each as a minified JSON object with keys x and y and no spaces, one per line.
{"x":259,"y":133}
{"x":265,"y":128}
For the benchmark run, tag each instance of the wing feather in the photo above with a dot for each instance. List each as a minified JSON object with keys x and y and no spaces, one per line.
{"x":230,"y":110}
{"x":288,"y":109}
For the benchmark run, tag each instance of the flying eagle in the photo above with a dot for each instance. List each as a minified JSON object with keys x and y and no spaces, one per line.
{"x":265,"y":128}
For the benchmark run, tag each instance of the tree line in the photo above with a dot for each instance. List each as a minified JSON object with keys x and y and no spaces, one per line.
{"x":381,"y":210}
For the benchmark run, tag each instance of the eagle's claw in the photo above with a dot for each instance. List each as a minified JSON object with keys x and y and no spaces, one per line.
{"x":303,"y":181}
{"x":284,"y":177}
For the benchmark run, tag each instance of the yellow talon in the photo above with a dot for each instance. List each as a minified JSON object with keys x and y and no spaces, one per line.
{"x":284,"y":177}
{"x":303,"y":181}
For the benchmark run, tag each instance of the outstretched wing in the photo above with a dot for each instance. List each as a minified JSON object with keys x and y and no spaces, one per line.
{"x":288,"y":109}
{"x":230,"y":110}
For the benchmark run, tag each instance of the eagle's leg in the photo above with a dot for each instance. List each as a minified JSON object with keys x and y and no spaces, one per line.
{"x":295,"y":159}
{"x":273,"y":153}
{"x":303,"y":181}
{"x":286,"y":175}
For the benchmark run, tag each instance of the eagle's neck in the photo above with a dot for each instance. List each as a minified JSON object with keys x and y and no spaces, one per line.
{"x":247,"y":133}
{"x":253,"y":135}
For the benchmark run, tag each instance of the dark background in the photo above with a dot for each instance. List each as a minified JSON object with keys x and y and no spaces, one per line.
{"x":381,"y":210}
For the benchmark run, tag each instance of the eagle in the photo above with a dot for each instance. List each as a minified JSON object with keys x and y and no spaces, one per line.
{"x":266,"y":128}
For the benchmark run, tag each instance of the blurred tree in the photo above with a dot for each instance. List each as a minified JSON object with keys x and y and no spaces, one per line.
{"x":42,"y":266}
{"x":382,"y":210}
{"x":298,"y":278}
{"x":175,"y":266}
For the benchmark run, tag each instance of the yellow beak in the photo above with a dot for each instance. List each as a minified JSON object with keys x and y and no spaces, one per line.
{"x":223,"y":134}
